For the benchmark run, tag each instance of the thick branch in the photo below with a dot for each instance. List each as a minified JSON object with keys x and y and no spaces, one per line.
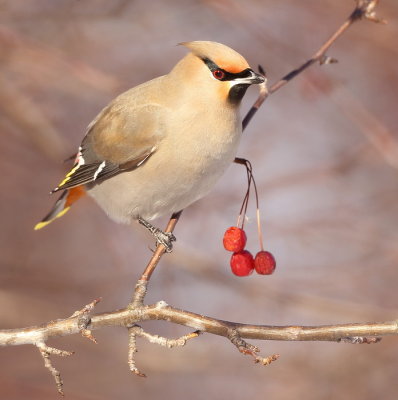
{"x":161,"y":311}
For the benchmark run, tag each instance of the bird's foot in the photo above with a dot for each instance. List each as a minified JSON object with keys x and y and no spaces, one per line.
{"x":164,"y":238}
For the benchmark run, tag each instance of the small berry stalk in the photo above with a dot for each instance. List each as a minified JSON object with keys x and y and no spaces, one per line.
{"x":242,"y":262}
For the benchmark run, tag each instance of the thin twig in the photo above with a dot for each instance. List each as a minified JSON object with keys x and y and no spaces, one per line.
{"x":131,"y":353}
{"x":161,"y":340}
{"x":248,"y":349}
{"x":364,"y":9}
{"x":84,"y":319}
{"x":142,"y":284}
{"x":160,"y":250}
{"x":45,"y":352}
{"x":136,"y":330}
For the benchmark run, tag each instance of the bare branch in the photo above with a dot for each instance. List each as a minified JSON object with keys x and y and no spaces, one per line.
{"x":132,"y":351}
{"x":162,"y":341}
{"x":360,"y":340}
{"x":142,"y":284}
{"x":153,"y":262}
{"x":161,"y":311}
{"x":235,"y":332}
{"x":136,"y":330}
{"x":84,"y":319}
{"x":364,"y":9}
{"x":248,"y":349}
{"x":45,"y":352}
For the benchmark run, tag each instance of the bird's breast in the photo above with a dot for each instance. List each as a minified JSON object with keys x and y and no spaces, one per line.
{"x":195,"y":151}
{"x":206,"y":142}
{"x":198,"y":154}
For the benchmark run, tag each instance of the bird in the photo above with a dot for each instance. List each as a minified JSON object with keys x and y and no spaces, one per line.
{"x":160,"y":146}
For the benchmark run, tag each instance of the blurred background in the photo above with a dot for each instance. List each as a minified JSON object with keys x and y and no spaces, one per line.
{"x":325,"y":156}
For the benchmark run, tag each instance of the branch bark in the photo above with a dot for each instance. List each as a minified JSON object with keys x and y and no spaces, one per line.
{"x":127,"y":317}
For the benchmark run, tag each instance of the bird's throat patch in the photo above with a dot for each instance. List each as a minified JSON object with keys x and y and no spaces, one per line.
{"x":237,"y":92}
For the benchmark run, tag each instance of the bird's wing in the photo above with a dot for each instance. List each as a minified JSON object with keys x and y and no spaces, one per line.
{"x":122,"y":137}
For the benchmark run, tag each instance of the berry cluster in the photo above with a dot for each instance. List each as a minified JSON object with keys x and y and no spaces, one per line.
{"x":242,"y":262}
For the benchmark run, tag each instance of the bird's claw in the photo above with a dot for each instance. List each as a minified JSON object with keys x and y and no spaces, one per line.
{"x":166,"y":239}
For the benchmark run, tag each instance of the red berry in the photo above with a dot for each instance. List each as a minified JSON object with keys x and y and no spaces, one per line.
{"x":264,"y":263}
{"x":242,"y":263}
{"x":234,"y":239}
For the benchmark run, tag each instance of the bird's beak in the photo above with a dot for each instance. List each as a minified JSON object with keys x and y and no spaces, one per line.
{"x":252,"y":79}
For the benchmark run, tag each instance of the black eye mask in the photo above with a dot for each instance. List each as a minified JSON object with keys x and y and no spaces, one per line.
{"x":228,"y":76}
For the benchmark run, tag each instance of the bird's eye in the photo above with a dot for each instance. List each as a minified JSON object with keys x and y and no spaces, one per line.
{"x":218,"y":74}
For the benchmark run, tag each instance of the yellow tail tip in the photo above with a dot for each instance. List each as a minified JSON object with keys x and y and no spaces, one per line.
{"x":42,"y":224}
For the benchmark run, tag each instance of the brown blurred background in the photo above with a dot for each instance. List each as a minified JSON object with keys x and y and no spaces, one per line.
{"x":325,"y":156}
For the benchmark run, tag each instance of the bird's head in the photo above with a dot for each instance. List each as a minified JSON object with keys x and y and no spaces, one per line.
{"x":219,"y":69}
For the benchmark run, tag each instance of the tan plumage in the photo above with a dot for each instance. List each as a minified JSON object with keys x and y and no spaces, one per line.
{"x":225,"y":57}
{"x":162,"y":145}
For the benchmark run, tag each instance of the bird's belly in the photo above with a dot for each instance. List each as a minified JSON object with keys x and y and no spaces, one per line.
{"x":172,"y":179}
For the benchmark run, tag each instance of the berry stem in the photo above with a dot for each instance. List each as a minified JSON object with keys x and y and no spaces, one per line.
{"x":242,"y":213}
{"x":243,"y":209}
{"x":260,"y":233}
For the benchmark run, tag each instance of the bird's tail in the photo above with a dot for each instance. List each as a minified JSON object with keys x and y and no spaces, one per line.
{"x":62,"y":205}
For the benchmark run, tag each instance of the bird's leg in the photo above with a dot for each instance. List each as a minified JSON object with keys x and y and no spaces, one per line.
{"x":164,"y":238}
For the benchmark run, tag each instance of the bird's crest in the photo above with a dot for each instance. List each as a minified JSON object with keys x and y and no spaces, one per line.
{"x":225,"y":57}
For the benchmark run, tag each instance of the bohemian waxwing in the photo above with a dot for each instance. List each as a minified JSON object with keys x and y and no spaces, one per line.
{"x":162,"y":145}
